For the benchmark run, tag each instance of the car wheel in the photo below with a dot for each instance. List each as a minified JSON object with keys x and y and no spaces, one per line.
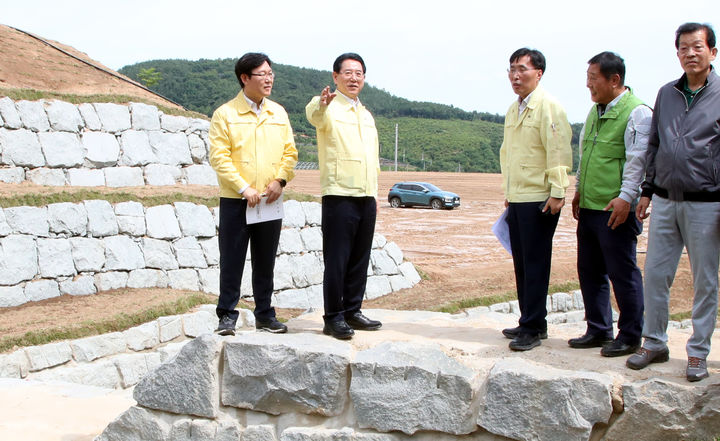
{"x":436,"y":204}
{"x":395,"y":202}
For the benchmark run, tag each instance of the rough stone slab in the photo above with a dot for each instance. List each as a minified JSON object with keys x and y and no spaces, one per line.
{"x":577,"y":299}
{"x":41,"y":289}
{"x":313,"y":213}
{"x":189,"y":254}
{"x":122,"y":253}
{"x":216,"y":216}
{"x":12,"y":175}
{"x":9,"y":113}
{"x":174,"y":123}
{"x":514,"y":307}
{"x":195,"y":220}
{"x":142,"y":337}
{"x":12,"y":296}
{"x":85,"y":177}
{"x":209,"y":280}
{"x":158,"y":254}
{"x":408,"y":271}
{"x":88,"y":254}
{"x":398,"y":282}
{"x":133,"y":367}
{"x":199,"y":323}
{"x":170,"y":327}
{"x":565,"y":404}
{"x":113,"y":117}
{"x":136,"y":150}
{"x":562,"y":302}
{"x":91,"y":348}
{"x":377,"y":286}
{"x":62,"y":149}
{"x":124,"y":177}
{"x":170,"y":350}
{"x":46,"y":176}
{"x":188,"y":384}
{"x":63,"y":116}
{"x":382,"y":263}
{"x":147,"y":278}
{"x":90,"y":116}
{"x":306,"y":269}
{"x":315,"y":296}
{"x":101,"y":218}
{"x":14,"y":365}
{"x":311,"y":379}
{"x":137,"y":424}
{"x":130,"y":218}
{"x":45,"y":356}
{"x":4,"y":227}
{"x":144,"y":117}
{"x":55,"y":258}
{"x":410,"y":387}
{"x":283,"y":274}
{"x":291,"y":298}
{"x":200,"y":174}
{"x":111,"y":280}
{"x":170,"y":148}
{"x":183,"y":279}
{"x":502,"y":308}
{"x":211,"y":250}
{"x":18,"y":259}
{"x":161,"y":174}
{"x":101,"y":149}
{"x":99,"y":374}
{"x":394,"y":252}
{"x":312,"y":238}
{"x":68,"y":218}
{"x":21,"y":148}
{"x":290,"y":241}
{"x":33,"y":116}
{"x":78,"y":286}
{"x":293,"y":214}
{"x":161,"y":222}
{"x":28,"y":220}
{"x":199,"y":125}
{"x":660,"y":409}
{"x":379,"y":241}
{"x":259,"y":432}
{"x":198,"y":149}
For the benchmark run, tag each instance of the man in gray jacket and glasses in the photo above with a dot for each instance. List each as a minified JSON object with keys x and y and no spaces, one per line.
{"x":682,"y":177}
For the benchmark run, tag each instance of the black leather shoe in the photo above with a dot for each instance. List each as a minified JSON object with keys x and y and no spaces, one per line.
{"x":359,"y":322}
{"x":512,"y":333}
{"x":226,"y":326}
{"x":644,"y":357}
{"x":270,"y":325}
{"x":617,"y":348}
{"x":589,"y":341}
{"x":525,"y":342}
{"x":338,"y":329}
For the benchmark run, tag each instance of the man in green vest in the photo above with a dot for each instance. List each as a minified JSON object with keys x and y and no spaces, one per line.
{"x":613,"y":145}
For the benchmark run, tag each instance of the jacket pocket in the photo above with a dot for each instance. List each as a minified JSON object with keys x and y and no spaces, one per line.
{"x":350,"y":173}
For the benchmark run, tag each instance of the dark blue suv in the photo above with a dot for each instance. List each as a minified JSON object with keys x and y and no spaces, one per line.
{"x":407,"y":194}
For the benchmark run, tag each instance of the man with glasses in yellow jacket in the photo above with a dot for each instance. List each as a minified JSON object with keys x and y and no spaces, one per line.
{"x":253,"y":153}
{"x":348,"y":152}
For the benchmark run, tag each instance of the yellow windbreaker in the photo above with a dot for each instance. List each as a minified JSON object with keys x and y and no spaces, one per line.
{"x":348,"y":147}
{"x":535,"y":156}
{"x":247,"y":149}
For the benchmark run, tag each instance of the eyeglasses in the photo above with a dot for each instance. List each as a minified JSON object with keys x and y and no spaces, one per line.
{"x":353,"y":73}
{"x":520,"y":69}
{"x":270,"y":74}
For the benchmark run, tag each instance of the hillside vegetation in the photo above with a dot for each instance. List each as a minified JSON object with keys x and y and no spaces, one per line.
{"x":434,"y":137}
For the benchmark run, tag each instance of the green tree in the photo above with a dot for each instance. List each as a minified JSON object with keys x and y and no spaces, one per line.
{"x":149,"y":77}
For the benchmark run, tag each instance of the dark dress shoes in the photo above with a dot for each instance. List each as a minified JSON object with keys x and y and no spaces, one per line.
{"x":618,"y":348}
{"x":338,"y":329}
{"x":359,"y":322}
{"x":589,"y":341}
{"x":512,"y":333}
{"x":525,"y":342}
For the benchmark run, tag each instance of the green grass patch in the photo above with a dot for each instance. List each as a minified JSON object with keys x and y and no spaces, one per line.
{"x":680,"y":316}
{"x":423,"y":275}
{"x":455,"y":307}
{"x":119,"y":322}
{"x":34,"y":95}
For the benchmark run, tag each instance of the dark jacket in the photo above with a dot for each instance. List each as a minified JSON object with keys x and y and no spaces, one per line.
{"x":683,"y":155}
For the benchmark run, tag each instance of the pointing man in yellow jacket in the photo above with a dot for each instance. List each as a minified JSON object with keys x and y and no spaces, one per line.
{"x":349,"y":166}
{"x":253,"y":153}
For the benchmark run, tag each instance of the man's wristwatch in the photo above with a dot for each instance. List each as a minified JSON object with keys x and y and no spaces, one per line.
{"x":282,"y":182}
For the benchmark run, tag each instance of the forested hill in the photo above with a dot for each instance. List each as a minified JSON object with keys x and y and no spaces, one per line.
{"x":431,"y":136}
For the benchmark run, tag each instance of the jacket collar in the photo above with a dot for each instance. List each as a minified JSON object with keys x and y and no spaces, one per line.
{"x":535,"y":99}
{"x":712,"y":78}
{"x":242,"y":106}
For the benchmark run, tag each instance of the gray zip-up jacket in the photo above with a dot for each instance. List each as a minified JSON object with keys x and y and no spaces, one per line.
{"x":683,"y":153}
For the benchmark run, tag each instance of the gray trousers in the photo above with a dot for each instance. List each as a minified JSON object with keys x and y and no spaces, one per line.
{"x":696,"y":226}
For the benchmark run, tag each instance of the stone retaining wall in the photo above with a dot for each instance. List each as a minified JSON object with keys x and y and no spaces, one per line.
{"x":83,"y":248}
{"x":51,"y":142}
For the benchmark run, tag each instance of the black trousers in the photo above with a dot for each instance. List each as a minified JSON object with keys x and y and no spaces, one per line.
{"x":348,"y":225}
{"x":610,"y":254}
{"x":233,"y":237}
{"x":531,"y":235}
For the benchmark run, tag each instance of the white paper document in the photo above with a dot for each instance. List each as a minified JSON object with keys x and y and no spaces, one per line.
{"x":263,"y":212}
{"x":501,"y":230}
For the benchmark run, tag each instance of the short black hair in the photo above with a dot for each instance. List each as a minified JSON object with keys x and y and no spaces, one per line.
{"x":689,"y":28}
{"x":347,"y":56}
{"x":536,"y":57}
{"x":248,"y":62}
{"x":610,"y":64}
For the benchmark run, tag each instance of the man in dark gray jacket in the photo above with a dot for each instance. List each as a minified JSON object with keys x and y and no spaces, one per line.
{"x":682,"y":177}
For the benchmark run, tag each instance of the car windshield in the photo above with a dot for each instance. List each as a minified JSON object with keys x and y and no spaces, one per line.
{"x":431,"y":187}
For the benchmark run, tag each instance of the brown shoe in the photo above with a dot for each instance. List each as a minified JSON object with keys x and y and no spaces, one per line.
{"x":644,"y":357}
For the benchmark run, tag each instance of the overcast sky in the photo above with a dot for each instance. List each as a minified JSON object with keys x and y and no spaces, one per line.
{"x":444,"y":51}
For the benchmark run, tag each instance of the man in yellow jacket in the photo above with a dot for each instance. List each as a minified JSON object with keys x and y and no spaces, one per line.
{"x":253,"y":153}
{"x":535,"y":158}
{"x":348,"y":152}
